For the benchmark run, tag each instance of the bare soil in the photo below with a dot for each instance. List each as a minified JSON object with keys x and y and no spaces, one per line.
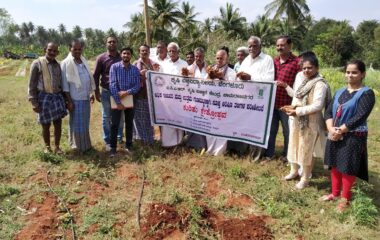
{"x":161,"y":221}
{"x":164,"y":222}
{"x":41,"y":225}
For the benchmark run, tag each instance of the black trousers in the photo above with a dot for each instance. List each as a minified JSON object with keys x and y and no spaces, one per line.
{"x":115,"y":120}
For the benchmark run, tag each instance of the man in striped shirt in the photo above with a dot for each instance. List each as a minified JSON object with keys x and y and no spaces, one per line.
{"x":124,"y":81}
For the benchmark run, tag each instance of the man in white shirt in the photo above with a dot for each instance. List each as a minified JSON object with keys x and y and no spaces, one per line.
{"x":257,"y":66}
{"x":217,"y":146}
{"x":162,"y":53}
{"x":197,"y":70}
{"x":172,"y":136}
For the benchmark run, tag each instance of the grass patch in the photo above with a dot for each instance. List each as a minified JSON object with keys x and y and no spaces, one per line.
{"x":49,"y":157}
{"x":237,"y":172}
{"x":6,"y":191}
{"x":100,"y":218}
{"x":363,"y":209}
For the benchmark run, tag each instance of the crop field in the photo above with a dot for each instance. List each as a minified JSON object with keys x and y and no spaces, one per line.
{"x":183,"y":194}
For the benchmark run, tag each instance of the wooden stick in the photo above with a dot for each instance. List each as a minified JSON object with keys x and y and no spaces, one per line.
{"x":63,"y":204}
{"x":139,"y":200}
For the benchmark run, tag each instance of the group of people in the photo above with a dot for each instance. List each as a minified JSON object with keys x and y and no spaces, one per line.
{"x":314,"y":124}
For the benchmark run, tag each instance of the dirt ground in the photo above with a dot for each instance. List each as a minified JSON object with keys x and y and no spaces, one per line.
{"x":164,"y":222}
{"x":158,"y":220}
{"x":42,"y":224}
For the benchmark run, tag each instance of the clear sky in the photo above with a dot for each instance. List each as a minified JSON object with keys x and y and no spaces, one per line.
{"x":106,"y":14}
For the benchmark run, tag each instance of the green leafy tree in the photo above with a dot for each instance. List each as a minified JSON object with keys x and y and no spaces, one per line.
{"x":8,"y":29}
{"x":365,"y":36}
{"x":317,"y":28}
{"x":337,"y":45}
{"x":10,"y":36}
{"x":5,"y":21}
{"x":376,"y":50}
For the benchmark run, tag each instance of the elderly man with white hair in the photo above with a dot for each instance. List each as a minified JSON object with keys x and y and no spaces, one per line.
{"x":241,"y":54}
{"x":170,"y":136}
{"x":220,"y":71}
{"x":257,"y":66}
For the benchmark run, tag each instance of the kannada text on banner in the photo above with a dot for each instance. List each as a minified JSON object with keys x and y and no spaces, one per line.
{"x":235,"y":110}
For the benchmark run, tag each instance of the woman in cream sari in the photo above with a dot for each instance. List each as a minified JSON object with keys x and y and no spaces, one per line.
{"x":311,"y":95}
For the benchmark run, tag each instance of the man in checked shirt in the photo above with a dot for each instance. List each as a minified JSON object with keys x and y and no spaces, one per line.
{"x":286,"y":67}
{"x":124,"y":80}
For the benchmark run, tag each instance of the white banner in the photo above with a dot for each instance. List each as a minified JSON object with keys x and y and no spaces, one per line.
{"x":239,"y":111}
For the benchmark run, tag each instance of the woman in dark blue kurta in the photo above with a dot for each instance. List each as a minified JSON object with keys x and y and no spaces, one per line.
{"x":346,"y":119}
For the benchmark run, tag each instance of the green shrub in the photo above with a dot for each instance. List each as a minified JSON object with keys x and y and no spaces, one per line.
{"x":363,"y":209}
{"x":49,"y":157}
{"x":6,"y":191}
{"x":237,"y":172}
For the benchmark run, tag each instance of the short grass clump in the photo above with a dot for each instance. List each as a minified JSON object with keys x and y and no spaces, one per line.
{"x":6,"y":191}
{"x":363,"y":209}
{"x":49,"y":157}
{"x":237,"y":172}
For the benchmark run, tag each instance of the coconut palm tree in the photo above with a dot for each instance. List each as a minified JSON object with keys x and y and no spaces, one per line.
{"x":136,"y":31}
{"x":165,"y":14}
{"x":296,"y":32}
{"x":294,"y":10}
{"x":231,"y":22}
{"x":53,"y":35}
{"x":90,"y":37}
{"x":62,"y":30}
{"x":41,"y":35}
{"x":187,"y":22}
{"x":100,"y":38}
{"x":206,"y":28}
{"x":77,"y":32}
{"x":263,"y":28}
{"x":31,"y":28}
{"x":63,"y":33}
{"x":111,"y":32}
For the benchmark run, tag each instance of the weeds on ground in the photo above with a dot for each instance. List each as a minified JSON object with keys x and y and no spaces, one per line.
{"x":6,"y":191}
{"x":49,"y":157}
{"x":363,"y":209}
{"x":237,"y":172}
{"x":198,"y":227}
{"x":8,"y":214}
{"x":100,"y":218}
